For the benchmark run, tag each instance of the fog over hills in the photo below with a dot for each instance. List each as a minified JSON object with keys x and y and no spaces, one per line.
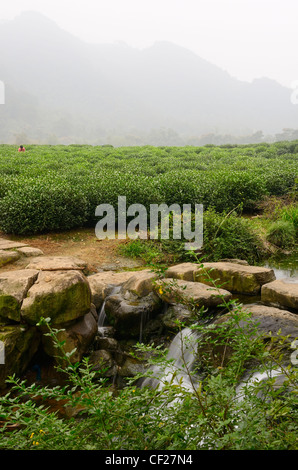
{"x":60,"y":89}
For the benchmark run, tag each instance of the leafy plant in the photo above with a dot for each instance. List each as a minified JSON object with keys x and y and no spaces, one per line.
{"x":212,"y":412}
{"x":282,"y":233}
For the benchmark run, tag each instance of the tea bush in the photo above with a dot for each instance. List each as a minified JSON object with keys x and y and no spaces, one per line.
{"x":59,"y":187}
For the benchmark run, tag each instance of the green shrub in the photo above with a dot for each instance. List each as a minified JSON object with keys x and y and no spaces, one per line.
{"x":282,"y":233}
{"x":290,"y":214}
{"x":230,"y":236}
{"x":217,"y":177}
{"x":224,"y":236}
{"x":210,"y":414}
{"x":41,"y":207}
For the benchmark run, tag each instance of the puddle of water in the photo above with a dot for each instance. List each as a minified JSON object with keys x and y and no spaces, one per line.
{"x":285,"y":266}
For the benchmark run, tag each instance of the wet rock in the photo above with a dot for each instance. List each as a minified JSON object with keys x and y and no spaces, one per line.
{"x":103,"y":362}
{"x":131,"y":367}
{"x":176,"y":314}
{"x":107,"y":343}
{"x":101,"y":282}
{"x":128,"y":314}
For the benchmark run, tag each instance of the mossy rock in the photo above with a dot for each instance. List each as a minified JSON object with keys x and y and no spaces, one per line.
{"x":62,"y":296}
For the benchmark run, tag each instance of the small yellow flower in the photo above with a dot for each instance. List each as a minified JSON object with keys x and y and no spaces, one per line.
{"x":32,"y":435}
{"x":41,"y":431}
{"x":35,"y":443}
{"x":160,"y":291}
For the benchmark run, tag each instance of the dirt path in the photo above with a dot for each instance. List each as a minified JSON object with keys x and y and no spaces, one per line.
{"x":82,"y":243}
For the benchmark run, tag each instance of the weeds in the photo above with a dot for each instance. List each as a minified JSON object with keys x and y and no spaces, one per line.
{"x":218,"y":409}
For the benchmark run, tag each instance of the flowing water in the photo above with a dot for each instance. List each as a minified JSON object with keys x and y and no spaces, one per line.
{"x":180,"y":359}
{"x":182,"y":356}
{"x":102,"y":313}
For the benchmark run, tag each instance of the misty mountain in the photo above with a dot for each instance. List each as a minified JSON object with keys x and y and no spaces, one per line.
{"x":60,"y":89}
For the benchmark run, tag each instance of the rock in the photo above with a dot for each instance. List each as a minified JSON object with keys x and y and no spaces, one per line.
{"x":14,"y":286}
{"x":10,"y":245}
{"x":7,"y":257}
{"x":263,"y":321}
{"x":281,"y":292}
{"x":131,"y":367}
{"x":100,"y":283}
{"x":141,"y":284}
{"x":57,"y":263}
{"x":63,"y":296}
{"x":234,"y":277}
{"x":183,"y":271}
{"x":271,"y":320}
{"x":107,"y":343}
{"x":176,"y":314}
{"x":128,"y":314}
{"x":20,"y":344}
{"x":78,"y":336}
{"x":177,"y":291}
{"x":104,"y":362}
{"x":30,"y":251}
{"x":106,"y":332}
{"x":234,"y":260}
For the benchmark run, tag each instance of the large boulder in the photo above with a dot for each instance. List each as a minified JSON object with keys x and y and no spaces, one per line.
{"x":236,"y":278}
{"x":261,"y":321}
{"x":281,"y":292}
{"x":20,"y":344}
{"x":78,"y":336}
{"x":63,"y":296}
{"x":14,"y":286}
{"x":273,"y":321}
{"x":101,"y":283}
{"x":175,"y":291}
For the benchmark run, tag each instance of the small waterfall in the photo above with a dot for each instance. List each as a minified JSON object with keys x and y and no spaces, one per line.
{"x":102,"y":314}
{"x":255,"y":378}
{"x":181,"y":357}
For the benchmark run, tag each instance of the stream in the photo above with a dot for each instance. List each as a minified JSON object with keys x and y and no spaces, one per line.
{"x":182,"y":350}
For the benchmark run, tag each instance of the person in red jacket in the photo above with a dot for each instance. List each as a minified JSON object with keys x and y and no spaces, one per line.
{"x":21,"y":148}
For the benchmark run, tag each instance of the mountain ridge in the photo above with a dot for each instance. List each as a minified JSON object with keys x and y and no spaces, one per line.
{"x":79,"y":91}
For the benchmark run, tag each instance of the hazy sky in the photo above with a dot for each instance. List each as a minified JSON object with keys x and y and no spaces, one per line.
{"x":247,"y":38}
